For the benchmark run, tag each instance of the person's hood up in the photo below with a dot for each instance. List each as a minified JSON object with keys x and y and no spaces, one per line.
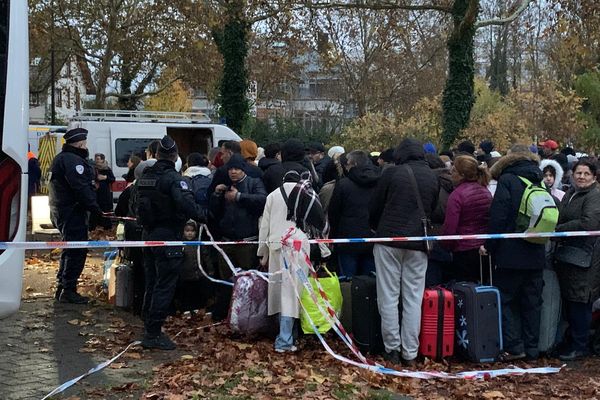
{"x":557,"y":168}
{"x":364,"y":176}
{"x":409,"y":149}
{"x":522,"y":164}
{"x":265,"y":163}
{"x":197,"y":170}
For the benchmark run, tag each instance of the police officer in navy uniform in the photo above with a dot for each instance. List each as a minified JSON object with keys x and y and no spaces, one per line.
{"x":72,"y":199}
{"x":164,"y":204}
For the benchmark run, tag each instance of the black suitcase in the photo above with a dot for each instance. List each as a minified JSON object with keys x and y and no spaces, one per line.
{"x":478,"y":321}
{"x":366,"y":322}
{"x":346,"y":314}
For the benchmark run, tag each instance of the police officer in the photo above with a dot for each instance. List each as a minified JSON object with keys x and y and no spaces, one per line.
{"x":72,"y":199}
{"x":164,"y":203}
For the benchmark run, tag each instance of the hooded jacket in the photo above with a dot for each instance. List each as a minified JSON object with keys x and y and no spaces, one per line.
{"x":513,"y":253}
{"x":555,"y":189}
{"x":392,"y":210}
{"x":349,"y":206}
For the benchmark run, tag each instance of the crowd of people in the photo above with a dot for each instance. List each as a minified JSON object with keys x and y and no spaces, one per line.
{"x":246,"y":193}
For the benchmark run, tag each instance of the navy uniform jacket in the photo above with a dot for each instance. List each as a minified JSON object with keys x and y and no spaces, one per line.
{"x":71,"y":186}
{"x":176,"y":199}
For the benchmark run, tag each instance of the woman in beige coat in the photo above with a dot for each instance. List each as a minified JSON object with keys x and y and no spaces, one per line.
{"x":276,"y":222}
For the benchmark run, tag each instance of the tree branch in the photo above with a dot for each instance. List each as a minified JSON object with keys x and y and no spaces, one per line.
{"x":376,"y":5}
{"x":502,"y":21}
{"x":145,"y":94}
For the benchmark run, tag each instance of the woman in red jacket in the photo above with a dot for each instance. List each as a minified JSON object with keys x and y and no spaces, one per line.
{"x":467,"y":213}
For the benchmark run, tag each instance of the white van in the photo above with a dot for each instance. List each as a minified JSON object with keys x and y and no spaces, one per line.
{"x":14,"y":115}
{"x":119,"y":134}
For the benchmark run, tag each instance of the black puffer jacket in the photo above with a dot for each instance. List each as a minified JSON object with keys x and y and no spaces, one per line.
{"x":349,"y":207}
{"x":580,"y":211}
{"x":392,"y":211}
{"x":513,"y":253}
{"x":239,"y":219}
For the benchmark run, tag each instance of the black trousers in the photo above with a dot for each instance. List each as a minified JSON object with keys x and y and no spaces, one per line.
{"x":521,"y":296}
{"x":162,"y":266}
{"x":72,"y":261}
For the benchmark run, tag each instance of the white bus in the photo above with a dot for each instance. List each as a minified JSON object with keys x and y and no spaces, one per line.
{"x":14,"y":112}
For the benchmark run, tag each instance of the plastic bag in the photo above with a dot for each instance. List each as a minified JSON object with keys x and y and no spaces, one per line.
{"x":331,"y":286}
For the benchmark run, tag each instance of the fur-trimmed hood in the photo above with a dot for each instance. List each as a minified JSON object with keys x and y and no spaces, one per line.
{"x":511,"y":160}
{"x":559,"y":171}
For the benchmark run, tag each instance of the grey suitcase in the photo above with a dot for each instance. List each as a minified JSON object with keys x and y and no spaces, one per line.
{"x":120,"y":287}
{"x":551,"y":309}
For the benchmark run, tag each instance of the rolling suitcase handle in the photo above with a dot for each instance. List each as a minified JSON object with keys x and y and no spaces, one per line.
{"x":481,"y":268}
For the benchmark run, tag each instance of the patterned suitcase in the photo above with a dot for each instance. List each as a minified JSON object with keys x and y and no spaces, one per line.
{"x":436,"y":339}
{"x":248,"y":311}
{"x":478,"y":321}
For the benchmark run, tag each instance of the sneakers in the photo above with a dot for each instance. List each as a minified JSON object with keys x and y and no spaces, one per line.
{"x":71,"y":296}
{"x":506,"y":356}
{"x":572,"y":355}
{"x":160,"y":342}
{"x":392,"y":356}
{"x":292,"y":349}
{"x":408,"y":363}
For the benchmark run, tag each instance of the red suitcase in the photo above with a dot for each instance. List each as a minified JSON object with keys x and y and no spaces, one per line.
{"x":437,"y":324}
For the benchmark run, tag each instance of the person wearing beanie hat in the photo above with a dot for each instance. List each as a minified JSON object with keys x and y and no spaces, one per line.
{"x":163,"y":204}
{"x":466,"y":148}
{"x":429,"y":148}
{"x":235,"y":210}
{"x":335,"y":150}
{"x":71,"y":196}
{"x":487,"y":146}
{"x":249,"y":150}
{"x":386,"y":159}
{"x":228,"y":149}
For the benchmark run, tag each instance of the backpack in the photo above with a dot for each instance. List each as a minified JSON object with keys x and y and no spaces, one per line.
{"x":199,"y":186}
{"x":537,"y":212}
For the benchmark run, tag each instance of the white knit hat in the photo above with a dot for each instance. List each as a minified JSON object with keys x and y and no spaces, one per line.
{"x":335,"y":150}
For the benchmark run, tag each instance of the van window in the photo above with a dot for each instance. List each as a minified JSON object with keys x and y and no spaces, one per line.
{"x":125,"y":148}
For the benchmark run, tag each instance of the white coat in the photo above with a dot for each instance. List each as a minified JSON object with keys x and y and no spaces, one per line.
{"x":273,"y":226}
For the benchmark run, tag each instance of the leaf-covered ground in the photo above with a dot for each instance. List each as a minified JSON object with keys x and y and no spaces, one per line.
{"x":211,"y":363}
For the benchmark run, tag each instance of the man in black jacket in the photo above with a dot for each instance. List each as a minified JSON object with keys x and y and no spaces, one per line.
{"x":519,"y":263}
{"x":349,"y":214}
{"x":236,"y":209}
{"x":228,"y":149}
{"x":401,"y":266}
{"x":72,"y":198}
{"x":163,"y":205}
{"x":272,"y":157}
